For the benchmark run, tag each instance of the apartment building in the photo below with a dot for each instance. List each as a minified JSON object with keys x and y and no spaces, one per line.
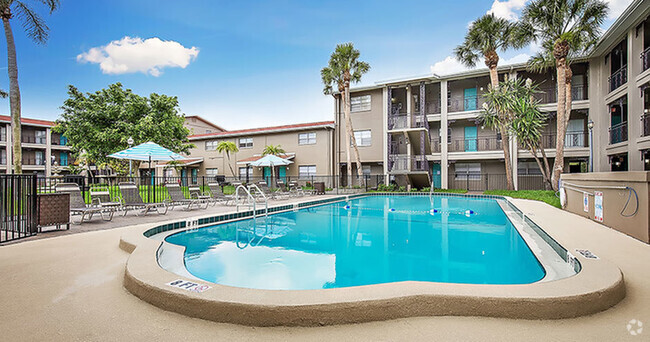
{"x":425,"y":131}
{"x":44,"y":152}
{"x":309,"y":146}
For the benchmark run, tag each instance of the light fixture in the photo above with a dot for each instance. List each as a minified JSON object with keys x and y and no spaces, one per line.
{"x":130,"y":141}
{"x":590,"y":124}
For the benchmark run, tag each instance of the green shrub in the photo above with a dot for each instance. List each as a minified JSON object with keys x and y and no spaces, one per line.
{"x":425,"y":189}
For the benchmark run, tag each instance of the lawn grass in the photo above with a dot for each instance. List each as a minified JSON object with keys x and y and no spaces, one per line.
{"x":546,"y":196}
{"x":451,"y":191}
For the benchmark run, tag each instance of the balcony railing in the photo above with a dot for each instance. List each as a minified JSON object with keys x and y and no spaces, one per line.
{"x":465,"y":103}
{"x":571,"y":139}
{"x":3,"y":160}
{"x":475,"y":144}
{"x":645,"y":124}
{"x":433,"y":108}
{"x":404,"y":121}
{"x":32,"y":161}
{"x":645,"y":58}
{"x":435,"y":145}
{"x":618,"y":133}
{"x":30,"y":139}
{"x":404,"y":162}
{"x":549,"y":94}
{"x":618,"y":78}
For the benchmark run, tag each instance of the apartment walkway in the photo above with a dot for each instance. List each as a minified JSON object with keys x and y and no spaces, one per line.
{"x":69,"y":288}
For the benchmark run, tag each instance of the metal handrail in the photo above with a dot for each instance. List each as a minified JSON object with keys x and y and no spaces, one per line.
{"x":249,"y":197}
{"x":266,"y":200}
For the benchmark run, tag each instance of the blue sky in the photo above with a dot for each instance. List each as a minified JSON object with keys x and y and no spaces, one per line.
{"x":238,"y":63}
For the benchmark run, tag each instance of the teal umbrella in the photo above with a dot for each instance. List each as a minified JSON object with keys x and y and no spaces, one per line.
{"x":149,"y":151}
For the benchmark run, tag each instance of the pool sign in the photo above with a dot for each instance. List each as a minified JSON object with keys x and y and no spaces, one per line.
{"x":598,"y":206}
{"x":189,"y":286}
{"x":585,"y":202}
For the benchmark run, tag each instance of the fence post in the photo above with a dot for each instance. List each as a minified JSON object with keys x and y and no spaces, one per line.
{"x":33,"y":222}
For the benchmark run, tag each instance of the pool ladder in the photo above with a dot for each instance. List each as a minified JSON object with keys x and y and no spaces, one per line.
{"x":251,"y":199}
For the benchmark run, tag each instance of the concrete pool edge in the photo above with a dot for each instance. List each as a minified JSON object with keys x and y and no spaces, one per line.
{"x":597,"y":287}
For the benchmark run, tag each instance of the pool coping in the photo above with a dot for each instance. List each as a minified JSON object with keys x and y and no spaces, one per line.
{"x":598,"y":286}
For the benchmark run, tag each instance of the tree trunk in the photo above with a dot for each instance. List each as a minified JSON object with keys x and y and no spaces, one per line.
{"x":230,"y":165}
{"x":558,"y":165}
{"x":14,"y":97}
{"x":569,"y":99}
{"x":349,"y":135}
{"x":503,"y":129}
{"x":357,"y":158}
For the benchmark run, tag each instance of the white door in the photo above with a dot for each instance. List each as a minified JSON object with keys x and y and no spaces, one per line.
{"x":575,"y":133}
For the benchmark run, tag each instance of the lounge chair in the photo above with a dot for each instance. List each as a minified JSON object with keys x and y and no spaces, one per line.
{"x":286,"y":190}
{"x":177,"y":197}
{"x":270,"y":194}
{"x":102,"y":197}
{"x":131,"y":200}
{"x":217,"y":195}
{"x":78,"y":205}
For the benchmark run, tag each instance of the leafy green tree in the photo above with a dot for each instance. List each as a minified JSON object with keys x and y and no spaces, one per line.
{"x":275,"y":150}
{"x":228,"y":147}
{"x":487,"y":35}
{"x":524,"y":119}
{"x":101,"y":123}
{"x":38,"y":31}
{"x":343,"y":68}
{"x":563,"y":27}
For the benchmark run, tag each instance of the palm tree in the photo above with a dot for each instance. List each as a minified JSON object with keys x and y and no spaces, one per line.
{"x":38,"y":31}
{"x":275,"y":150}
{"x":487,"y":35}
{"x":563,"y":27}
{"x":228,"y":147}
{"x":343,"y":68}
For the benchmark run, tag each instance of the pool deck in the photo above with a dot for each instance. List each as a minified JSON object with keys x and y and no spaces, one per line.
{"x":70,"y":288}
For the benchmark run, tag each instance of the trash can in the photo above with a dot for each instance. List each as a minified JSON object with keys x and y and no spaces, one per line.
{"x":319,"y":188}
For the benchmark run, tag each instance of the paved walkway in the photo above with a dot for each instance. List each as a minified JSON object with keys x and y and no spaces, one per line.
{"x":69,"y":288}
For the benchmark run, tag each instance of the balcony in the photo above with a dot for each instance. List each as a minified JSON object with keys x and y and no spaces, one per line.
{"x":618,"y":78}
{"x":406,"y":163}
{"x":549,"y":94}
{"x":492,"y":143}
{"x":433,"y":107}
{"x":465,"y":103}
{"x":645,"y":58}
{"x":571,"y":139}
{"x":33,"y":161}
{"x":435,"y":145}
{"x":618,"y":133}
{"x":645,"y":125}
{"x":406,"y":121}
{"x":30,"y":139}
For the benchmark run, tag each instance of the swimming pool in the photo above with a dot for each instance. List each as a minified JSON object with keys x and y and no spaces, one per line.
{"x":364,"y":241}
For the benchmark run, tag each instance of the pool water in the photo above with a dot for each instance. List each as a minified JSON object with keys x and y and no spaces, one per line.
{"x":368,"y":240}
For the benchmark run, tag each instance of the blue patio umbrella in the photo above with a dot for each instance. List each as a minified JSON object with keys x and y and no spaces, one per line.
{"x":149,"y":151}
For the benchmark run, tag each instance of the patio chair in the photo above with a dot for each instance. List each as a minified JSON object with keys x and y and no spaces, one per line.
{"x":132,"y":200}
{"x":102,"y":197}
{"x":78,"y":205}
{"x":177,"y":197}
{"x":299,"y":190}
{"x":270,"y":194}
{"x":286,"y":190}
{"x":217,"y":195}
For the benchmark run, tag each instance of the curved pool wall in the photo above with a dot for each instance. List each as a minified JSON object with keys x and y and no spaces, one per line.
{"x":596,"y":287}
{"x":364,"y":241}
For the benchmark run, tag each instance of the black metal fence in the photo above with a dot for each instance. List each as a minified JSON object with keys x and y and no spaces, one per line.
{"x":152,"y":189}
{"x":18,"y":208}
{"x":484,"y":181}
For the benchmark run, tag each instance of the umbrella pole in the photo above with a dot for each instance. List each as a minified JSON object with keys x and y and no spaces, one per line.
{"x":151,"y":181}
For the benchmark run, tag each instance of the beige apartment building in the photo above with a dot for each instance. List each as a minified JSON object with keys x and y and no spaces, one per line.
{"x":309,"y":146}
{"x":426,"y":131}
{"x":43,"y":150}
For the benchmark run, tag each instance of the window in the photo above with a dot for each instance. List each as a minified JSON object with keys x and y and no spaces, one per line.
{"x":360,"y":103}
{"x":3,"y":133}
{"x":528,"y":168}
{"x":3,"y":157}
{"x":211,"y":145}
{"x":211,"y":172}
{"x":306,"y":138}
{"x":40,"y":137}
{"x":363,"y":138}
{"x":367,"y":169}
{"x":245,"y":142}
{"x":39,"y":158}
{"x":306,"y":171}
{"x":245,"y":172}
{"x":468,"y":171}
{"x":208,"y":131}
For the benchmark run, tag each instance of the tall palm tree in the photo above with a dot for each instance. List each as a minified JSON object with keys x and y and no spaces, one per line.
{"x":275,"y":150}
{"x":228,"y":147}
{"x":343,"y":68}
{"x":38,"y":31}
{"x":568,"y":26}
{"x":487,"y":35}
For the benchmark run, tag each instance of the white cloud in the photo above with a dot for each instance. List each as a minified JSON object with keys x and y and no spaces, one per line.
{"x":507,"y":9}
{"x":450,"y":65}
{"x":616,"y":7}
{"x":130,"y":55}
